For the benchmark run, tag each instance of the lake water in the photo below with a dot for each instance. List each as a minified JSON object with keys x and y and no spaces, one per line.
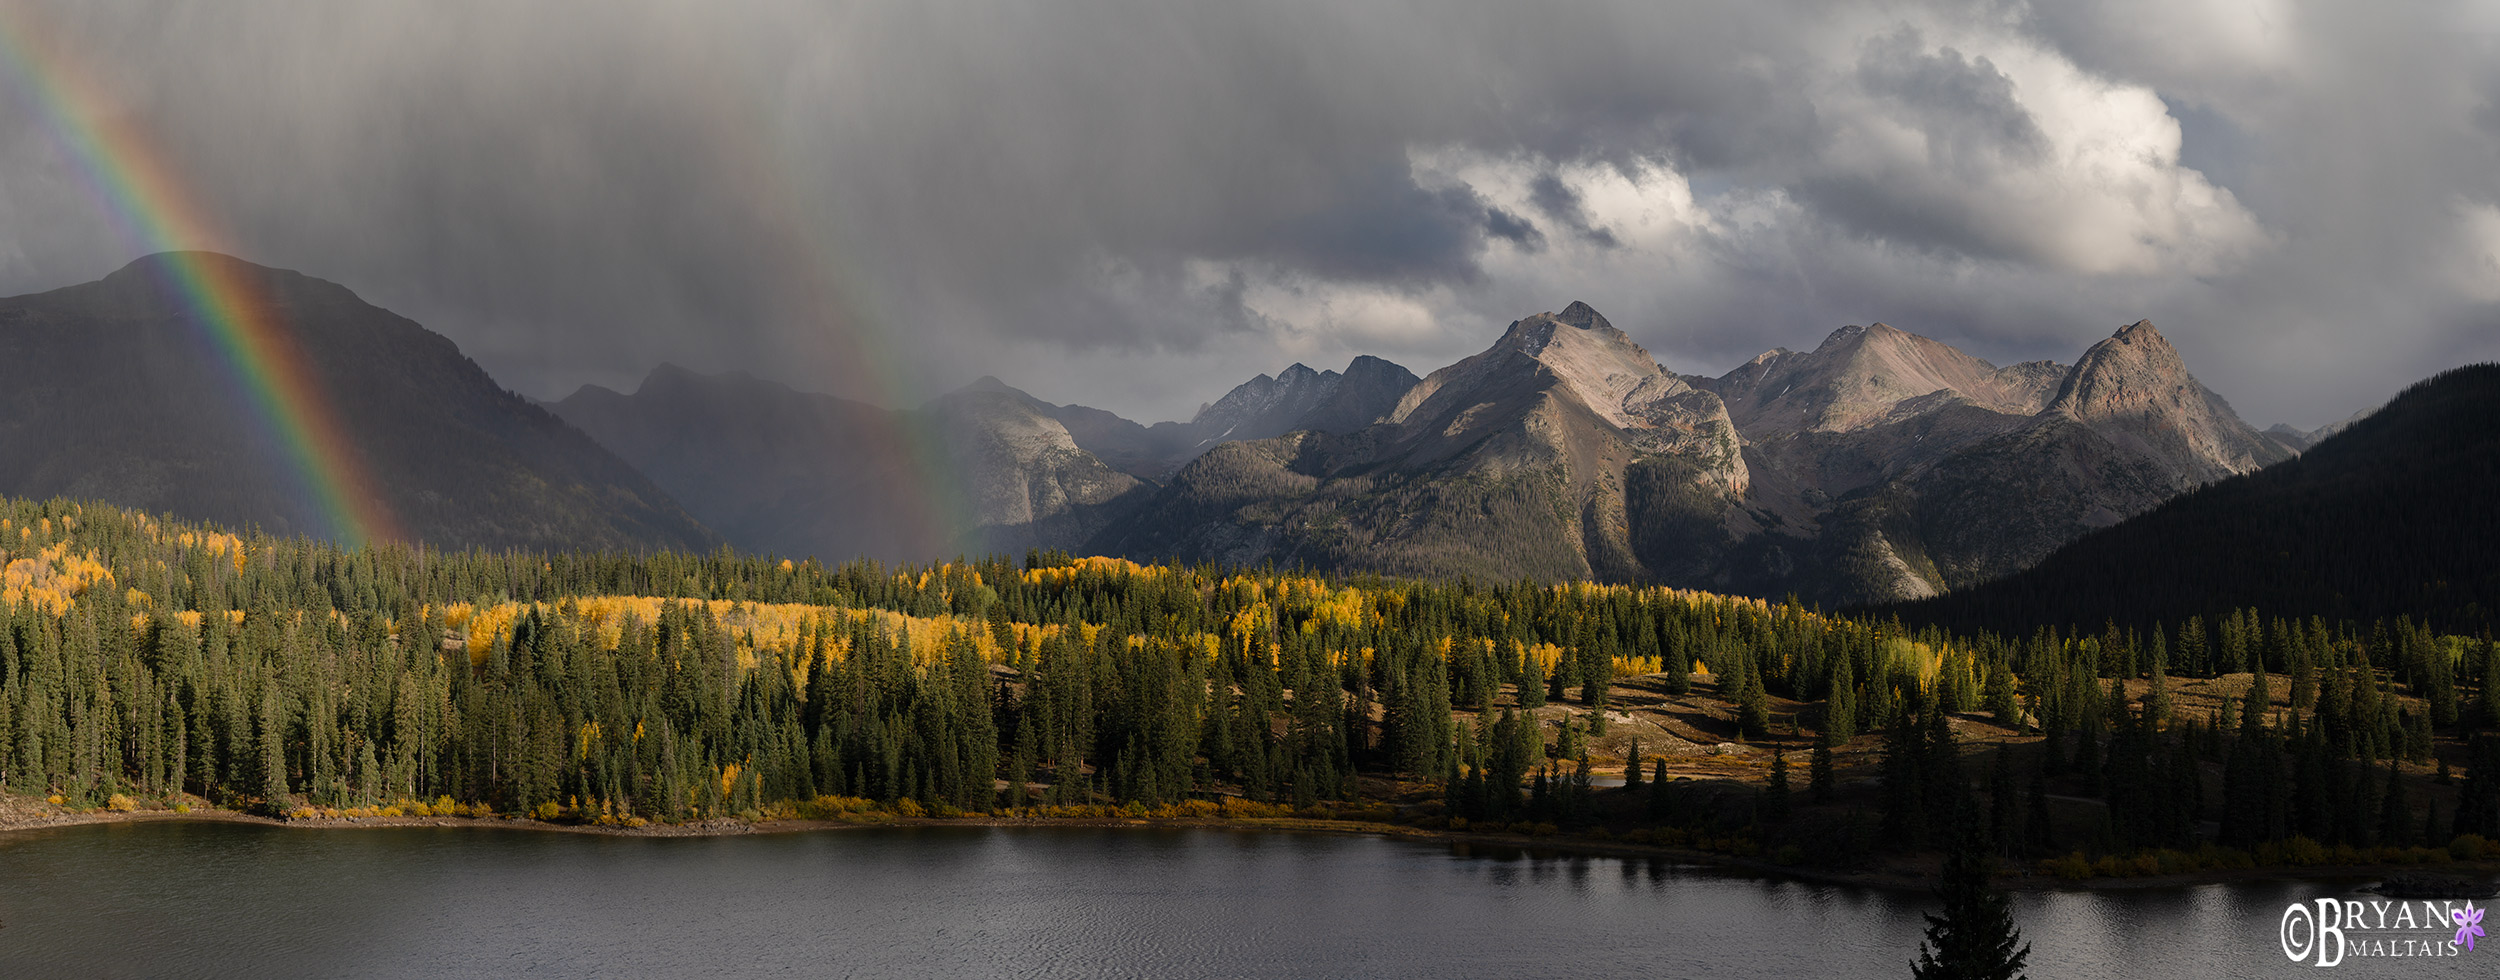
{"x":227,"y":900}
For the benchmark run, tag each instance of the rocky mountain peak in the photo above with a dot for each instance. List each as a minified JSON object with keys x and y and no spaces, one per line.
{"x":2133,"y":372}
{"x":1581,"y":315}
{"x":1860,"y":376}
{"x":2134,"y":389}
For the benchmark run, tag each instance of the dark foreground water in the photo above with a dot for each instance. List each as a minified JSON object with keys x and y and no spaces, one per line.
{"x":222,"y":900}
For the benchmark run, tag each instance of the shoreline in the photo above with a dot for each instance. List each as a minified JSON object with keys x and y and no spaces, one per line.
{"x":2015,"y":879}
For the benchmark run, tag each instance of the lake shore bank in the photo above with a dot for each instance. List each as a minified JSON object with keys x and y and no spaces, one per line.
{"x":19,"y":815}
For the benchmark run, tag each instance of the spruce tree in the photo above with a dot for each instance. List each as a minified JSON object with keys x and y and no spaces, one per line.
{"x":1775,"y":797}
{"x":1753,"y":715}
{"x":1974,"y":936}
{"x":2393,"y":811}
{"x":1632,"y":767}
{"x":1819,"y":779}
{"x":2000,"y":699}
{"x":2039,"y":834}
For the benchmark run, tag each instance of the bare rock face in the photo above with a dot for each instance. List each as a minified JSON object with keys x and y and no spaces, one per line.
{"x":2133,"y":390}
{"x":2128,"y":428}
{"x":1024,"y":481}
{"x":1866,"y":376}
{"x":1553,"y":453}
{"x":1265,"y":407}
{"x":1366,"y":392}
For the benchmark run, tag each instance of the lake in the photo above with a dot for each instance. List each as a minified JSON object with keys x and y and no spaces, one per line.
{"x":183,"y":899}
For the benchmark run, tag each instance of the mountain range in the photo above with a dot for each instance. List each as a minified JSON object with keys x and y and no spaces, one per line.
{"x":2390,"y":514}
{"x":120,"y":390}
{"x":1878,"y":466}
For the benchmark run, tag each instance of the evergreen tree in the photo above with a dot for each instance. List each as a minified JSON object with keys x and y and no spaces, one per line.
{"x":2395,"y":823}
{"x":1819,"y":780}
{"x":1753,"y":714}
{"x":2001,"y":703}
{"x":1973,"y":936}
{"x":1905,"y":785}
{"x":1775,"y":796}
{"x":2039,"y":833}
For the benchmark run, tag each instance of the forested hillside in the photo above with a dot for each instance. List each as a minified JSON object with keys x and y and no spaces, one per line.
{"x":147,"y":659}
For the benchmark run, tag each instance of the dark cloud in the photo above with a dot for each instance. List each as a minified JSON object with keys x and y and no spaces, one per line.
{"x":1138,"y":204}
{"x":1559,"y":202}
{"x":1513,"y":229}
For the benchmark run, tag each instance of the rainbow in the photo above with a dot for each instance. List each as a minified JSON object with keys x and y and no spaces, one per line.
{"x":133,"y":182}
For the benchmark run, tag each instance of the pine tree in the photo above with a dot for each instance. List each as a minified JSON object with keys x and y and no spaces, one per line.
{"x":2039,"y":834}
{"x":1840,"y":705}
{"x":1531,"y":685}
{"x":1974,"y":938}
{"x":1632,"y":768}
{"x":1753,"y":715}
{"x":1775,"y":797}
{"x":2000,"y":699}
{"x":2393,"y":811}
{"x":2001,"y":829}
{"x":1819,"y":780}
{"x":273,"y":775}
{"x":1661,"y":805}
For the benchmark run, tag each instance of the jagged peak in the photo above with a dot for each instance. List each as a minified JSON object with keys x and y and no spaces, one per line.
{"x":2139,"y":330}
{"x":1298,"y":370}
{"x":1841,"y":336}
{"x":1583,"y":316}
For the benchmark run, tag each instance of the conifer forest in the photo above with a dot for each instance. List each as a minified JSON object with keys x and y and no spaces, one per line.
{"x":144,"y":661}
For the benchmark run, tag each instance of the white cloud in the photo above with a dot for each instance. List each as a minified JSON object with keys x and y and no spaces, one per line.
{"x":1988,"y":143}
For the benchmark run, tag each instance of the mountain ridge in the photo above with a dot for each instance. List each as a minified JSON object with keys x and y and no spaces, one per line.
{"x":116,"y":392}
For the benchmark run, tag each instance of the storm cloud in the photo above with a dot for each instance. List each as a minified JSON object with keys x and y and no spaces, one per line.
{"x":1135,"y":205}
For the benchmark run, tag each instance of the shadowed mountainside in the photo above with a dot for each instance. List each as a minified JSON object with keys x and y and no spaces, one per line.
{"x":114,"y":390}
{"x":2391,"y":515}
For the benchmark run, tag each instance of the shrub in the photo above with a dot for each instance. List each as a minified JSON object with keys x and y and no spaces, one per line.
{"x":2072,"y":867}
{"x":2466,"y":847}
{"x":121,"y":803}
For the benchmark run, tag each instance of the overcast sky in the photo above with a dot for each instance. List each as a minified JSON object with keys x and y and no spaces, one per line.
{"x":1135,"y":205}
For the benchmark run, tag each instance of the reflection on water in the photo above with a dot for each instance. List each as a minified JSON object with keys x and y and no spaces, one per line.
{"x":217,"y":900}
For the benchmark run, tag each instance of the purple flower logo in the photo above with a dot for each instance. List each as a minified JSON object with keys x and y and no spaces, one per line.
{"x":2469,"y":925}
